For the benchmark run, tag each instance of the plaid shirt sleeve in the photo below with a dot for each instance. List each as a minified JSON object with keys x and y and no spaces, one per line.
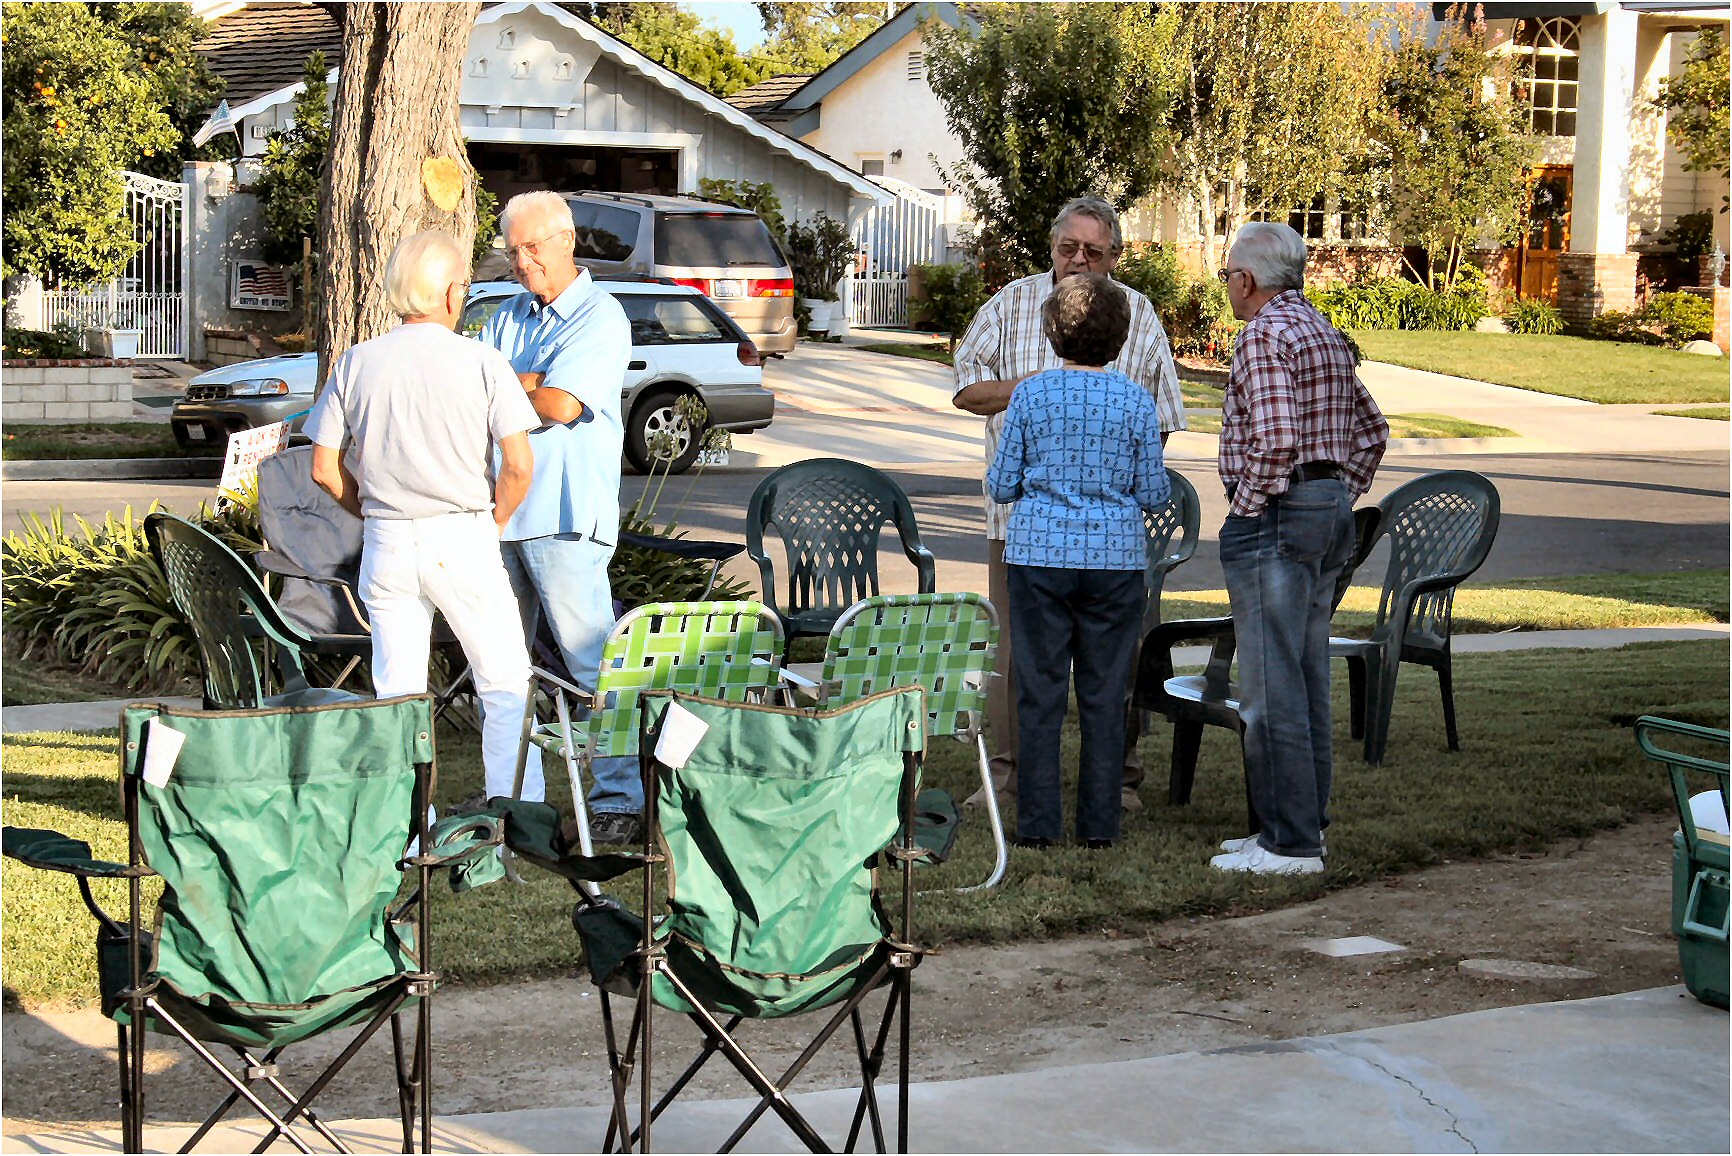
{"x":1272,"y":427}
{"x":1369,"y":437}
{"x":977,"y":355}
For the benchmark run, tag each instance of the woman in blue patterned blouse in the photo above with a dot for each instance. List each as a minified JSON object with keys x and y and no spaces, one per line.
{"x":1080,"y":455}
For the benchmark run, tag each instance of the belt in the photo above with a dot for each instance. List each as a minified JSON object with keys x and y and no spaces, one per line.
{"x":1315,"y":472}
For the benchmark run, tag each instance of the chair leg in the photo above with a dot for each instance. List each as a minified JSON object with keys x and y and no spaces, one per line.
{"x":1000,"y":851}
{"x":1379,"y":705}
{"x":1445,"y":684}
{"x":1356,"y":695}
{"x":280,"y":1126}
{"x":871,"y":1064}
{"x":405,"y":1084}
{"x":1187,"y":741}
{"x":131,"y":1109}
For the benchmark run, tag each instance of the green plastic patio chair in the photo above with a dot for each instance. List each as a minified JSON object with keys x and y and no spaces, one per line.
{"x":1440,"y":528}
{"x":282,"y":839}
{"x":725,"y":650}
{"x":1173,"y":531}
{"x":771,"y":833}
{"x":1701,"y":858}
{"x":944,"y":643}
{"x":829,"y":513}
{"x":228,"y":610}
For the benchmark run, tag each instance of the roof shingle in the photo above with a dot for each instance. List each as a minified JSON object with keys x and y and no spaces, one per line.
{"x":264,"y":47}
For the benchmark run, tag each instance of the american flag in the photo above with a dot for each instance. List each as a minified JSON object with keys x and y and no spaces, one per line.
{"x":262,"y":280}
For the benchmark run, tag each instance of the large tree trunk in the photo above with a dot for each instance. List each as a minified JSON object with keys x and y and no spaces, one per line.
{"x":395,"y":109}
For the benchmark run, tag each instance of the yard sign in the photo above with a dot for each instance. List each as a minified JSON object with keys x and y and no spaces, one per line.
{"x":247,"y":448}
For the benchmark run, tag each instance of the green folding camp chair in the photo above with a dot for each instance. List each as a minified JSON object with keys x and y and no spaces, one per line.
{"x":281,"y":838}
{"x":769,"y":825}
{"x":944,"y":643}
{"x":725,"y":650}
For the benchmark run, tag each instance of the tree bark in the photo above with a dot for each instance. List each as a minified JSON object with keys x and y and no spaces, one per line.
{"x":396,"y":107}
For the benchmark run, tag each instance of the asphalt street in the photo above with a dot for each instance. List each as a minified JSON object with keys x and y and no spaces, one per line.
{"x":1563,"y":514}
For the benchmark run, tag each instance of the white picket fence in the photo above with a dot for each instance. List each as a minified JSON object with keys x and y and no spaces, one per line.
{"x":160,"y":317}
{"x":894,"y":237}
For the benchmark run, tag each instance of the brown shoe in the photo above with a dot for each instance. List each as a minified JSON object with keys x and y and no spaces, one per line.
{"x":1003,"y":773}
{"x":1129,"y":800}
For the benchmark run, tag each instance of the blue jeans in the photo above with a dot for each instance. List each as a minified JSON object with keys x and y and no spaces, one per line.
{"x":564,"y":576}
{"x":1060,"y":620}
{"x":1281,"y":567}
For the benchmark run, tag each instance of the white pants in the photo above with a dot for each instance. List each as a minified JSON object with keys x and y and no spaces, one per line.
{"x":409,"y":568}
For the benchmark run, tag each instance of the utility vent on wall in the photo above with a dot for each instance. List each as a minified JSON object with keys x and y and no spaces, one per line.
{"x":916,"y":66}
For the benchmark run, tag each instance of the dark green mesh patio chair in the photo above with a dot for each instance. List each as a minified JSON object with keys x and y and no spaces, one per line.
{"x":1194,"y":701}
{"x":1440,"y":528}
{"x":1173,"y":531}
{"x":1695,"y":757}
{"x":282,"y":839}
{"x":229,"y":611}
{"x":772,"y":835}
{"x":829,"y":513}
{"x":946,"y":644}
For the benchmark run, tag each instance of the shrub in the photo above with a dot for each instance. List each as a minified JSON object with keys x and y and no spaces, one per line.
{"x":1530,"y":315}
{"x":1692,"y":234}
{"x":1194,"y":311}
{"x":1391,"y":303}
{"x":63,"y":341}
{"x":954,"y":294}
{"x":822,"y":253}
{"x":1673,"y":319}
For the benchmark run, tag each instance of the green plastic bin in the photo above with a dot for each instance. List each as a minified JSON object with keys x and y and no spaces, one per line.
{"x":1701,"y":912}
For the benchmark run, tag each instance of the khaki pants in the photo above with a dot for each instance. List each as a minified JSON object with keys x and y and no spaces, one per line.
{"x":1001,"y":739}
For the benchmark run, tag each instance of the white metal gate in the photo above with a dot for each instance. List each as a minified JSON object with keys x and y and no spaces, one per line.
{"x":150,"y":293}
{"x":893,"y":238}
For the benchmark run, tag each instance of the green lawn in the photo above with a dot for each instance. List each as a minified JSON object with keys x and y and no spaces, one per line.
{"x":1600,"y":371}
{"x":126,"y":439}
{"x":1582,"y":602}
{"x":938,"y":353}
{"x":1547,"y":755}
{"x":1707,"y":412}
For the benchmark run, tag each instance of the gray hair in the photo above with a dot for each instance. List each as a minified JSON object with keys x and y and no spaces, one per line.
{"x":421,"y":268}
{"x":1094,"y":207}
{"x":1274,"y":253}
{"x":540,"y":203}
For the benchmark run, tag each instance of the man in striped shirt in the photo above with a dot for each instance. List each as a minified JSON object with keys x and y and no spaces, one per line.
{"x":1300,"y":440}
{"x":1005,"y":344}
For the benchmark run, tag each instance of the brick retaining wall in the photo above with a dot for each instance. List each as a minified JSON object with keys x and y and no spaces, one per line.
{"x":66,"y":390}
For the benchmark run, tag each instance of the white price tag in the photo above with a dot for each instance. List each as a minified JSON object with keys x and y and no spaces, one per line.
{"x":162,"y":745}
{"x":682,"y":731}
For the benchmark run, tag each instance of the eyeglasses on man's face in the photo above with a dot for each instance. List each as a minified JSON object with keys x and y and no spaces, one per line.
{"x":1068,"y":249}
{"x":1226,"y":275}
{"x":532,"y":249}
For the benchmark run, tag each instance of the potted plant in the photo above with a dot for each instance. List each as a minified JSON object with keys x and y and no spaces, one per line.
{"x":120,"y":338}
{"x":821,"y":252}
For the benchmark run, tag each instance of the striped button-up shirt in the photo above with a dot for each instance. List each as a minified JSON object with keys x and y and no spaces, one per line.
{"x":1004,"y":342}
{"x":1294,"y":397}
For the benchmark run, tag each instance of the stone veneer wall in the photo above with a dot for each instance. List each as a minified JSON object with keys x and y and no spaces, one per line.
{"x":66,"y":390}
{"x":228,"y":346}
{"x":1590,"y":284}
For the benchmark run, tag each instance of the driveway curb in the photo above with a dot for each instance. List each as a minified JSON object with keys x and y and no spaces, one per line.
{"x":109,"y":469}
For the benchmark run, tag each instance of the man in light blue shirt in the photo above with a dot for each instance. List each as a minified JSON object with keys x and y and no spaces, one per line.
{"x":569,"y":342}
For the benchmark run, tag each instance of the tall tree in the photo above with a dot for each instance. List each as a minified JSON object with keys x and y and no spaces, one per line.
{"x":397,"y":161}
{"x":1453,"y":144}
{"x":163,"y":38}
{"x":1272,"y":104}
{"x":809,"y":35}
{"x":1695,"y":101}
{"x":78,"y":107}
{"x":1032,"y":136}
{"x":677,"y":38}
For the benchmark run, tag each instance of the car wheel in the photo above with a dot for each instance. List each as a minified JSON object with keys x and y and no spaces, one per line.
{"x":657,"y":420}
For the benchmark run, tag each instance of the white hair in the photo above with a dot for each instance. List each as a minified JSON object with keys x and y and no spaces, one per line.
{"x":540,"y":203}
{"x":1094,"y":208}
{"x":421,"y":268}
{"x":1274,"y":254}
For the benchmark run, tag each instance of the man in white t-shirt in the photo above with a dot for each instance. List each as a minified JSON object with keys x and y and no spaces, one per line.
{"x":419,"y":410}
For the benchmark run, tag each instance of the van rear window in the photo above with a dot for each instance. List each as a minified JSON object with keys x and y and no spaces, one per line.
{"x":714,"y":240}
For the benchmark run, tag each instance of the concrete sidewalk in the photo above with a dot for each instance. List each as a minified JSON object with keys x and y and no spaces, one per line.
{"x":1646,"y":1071}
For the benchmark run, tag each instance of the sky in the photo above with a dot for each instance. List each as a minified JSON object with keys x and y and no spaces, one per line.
{"x":738,"y":16}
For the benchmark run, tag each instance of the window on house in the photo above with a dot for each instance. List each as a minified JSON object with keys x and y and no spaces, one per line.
{"x":1550,"y":54}
{"x":916,"y":66}
{"x":872,"y":168}
{"x":1308,"y":220}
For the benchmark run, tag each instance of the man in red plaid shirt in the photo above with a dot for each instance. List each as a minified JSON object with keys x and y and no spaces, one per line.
{"x":1300,"y":439}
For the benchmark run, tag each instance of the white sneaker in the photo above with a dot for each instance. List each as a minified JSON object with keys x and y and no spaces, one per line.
{"x":1246,"y":842}
{"x":1258,"y":861}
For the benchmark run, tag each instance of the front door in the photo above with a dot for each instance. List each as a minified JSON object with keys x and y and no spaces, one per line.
{"x":1547,"y":233}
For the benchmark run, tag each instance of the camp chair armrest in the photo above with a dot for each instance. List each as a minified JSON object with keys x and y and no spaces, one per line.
{"x":460,"y":837}
{"x":584,"y":693}
{"x":697,"y":548}
{"x":52,"y":851}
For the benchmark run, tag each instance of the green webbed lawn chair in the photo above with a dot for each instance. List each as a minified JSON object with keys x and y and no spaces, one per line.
{"x":770,"y":833}
{"x":727,"y":650}
{"x":282,"y":838}
{"x":946,"y":644}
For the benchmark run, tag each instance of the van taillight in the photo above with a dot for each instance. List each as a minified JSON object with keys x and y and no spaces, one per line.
{"x":749,"y":355}
{"x":701,"y":284}
{"x":771,"y":287}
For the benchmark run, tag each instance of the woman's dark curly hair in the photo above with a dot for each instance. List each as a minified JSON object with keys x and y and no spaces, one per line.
{"x":1087,"y":318}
